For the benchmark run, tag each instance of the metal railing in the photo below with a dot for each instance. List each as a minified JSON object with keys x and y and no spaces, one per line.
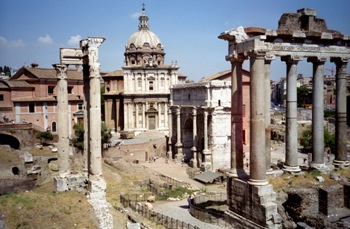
{"x":131,"y":201}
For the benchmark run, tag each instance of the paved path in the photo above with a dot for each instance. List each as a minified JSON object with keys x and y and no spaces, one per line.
{"x":179,"y":210}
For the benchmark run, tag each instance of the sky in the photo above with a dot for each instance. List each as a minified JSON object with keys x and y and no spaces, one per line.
{"x":35,"y":30}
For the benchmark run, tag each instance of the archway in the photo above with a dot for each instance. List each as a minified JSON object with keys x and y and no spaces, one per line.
{"x":188,"y":138}
{"x":12,"y":141}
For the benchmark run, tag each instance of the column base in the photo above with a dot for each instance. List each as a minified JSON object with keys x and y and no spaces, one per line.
{"x":323,"y":168}
{"x":71,"y":182}
{"x":269,"y":171}
{"x":291,"y":169}
{"x":341,"y":164}
{"x":236,"y":173}
{"x":258,"y":182}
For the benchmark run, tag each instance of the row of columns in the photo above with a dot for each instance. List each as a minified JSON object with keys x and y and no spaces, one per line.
{"x":132,"y":121}
{"x":260,"y":139}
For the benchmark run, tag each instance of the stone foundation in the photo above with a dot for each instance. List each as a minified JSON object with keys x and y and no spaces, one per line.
{"x":97,"y":198}
{"x":71,"y":182}
{"x":252,"y":206}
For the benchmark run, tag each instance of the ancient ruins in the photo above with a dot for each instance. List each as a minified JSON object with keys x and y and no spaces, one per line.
{"x":299,"y":35}
{"x":87,"y":55}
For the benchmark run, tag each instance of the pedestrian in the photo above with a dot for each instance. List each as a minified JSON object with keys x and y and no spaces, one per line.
{"x":305,"y":160}
{"x":182,"y":161}
{"x":189,"y":201}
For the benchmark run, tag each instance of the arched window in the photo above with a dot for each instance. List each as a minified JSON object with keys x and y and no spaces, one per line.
{"x":54,"y":127}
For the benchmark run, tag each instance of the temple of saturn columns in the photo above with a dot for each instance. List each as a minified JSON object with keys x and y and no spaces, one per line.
{"x":87,"y":56}
{"x":299,"y":35}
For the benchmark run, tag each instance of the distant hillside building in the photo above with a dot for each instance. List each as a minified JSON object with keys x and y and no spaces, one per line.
{"x":137,"y":97}
{"x":31,"y":96}
{"x":201,"y":120}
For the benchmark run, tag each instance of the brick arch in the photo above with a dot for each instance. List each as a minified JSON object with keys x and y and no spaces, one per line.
{"x":6,"y":139}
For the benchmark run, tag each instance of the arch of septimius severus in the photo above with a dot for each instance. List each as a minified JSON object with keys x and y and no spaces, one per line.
{"x":299,"y":36}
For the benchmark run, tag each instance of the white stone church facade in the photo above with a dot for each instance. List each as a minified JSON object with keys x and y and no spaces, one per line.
{"x":137,"y":97}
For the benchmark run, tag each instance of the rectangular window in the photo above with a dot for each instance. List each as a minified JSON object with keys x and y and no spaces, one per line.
{"x":243,"y":110}
{"x":1,"y":97}
{"x":50,"y":90}
{"x":31,"y":107}
{"x":244,"y":138}
{"x":70,"y":89}
{"x":151,"y":85}
{"x":80,"y":106}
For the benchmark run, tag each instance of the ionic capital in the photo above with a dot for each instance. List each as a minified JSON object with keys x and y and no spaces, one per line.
{"x":257,"y":54}
{"x":236,"y":58}
{"x":317,"y":60}
{"x":61,"y":70}
{"x":340,"y":60}
{"x":294,"y":59}
{"x":269,"y":57}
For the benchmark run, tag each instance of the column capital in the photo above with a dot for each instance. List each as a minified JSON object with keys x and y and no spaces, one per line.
{"x":317,"y":59}
{"x":194,"y":111}
{"x":258,"y":54}
{"x":95,"y":70}
{"x":236,"y":58}
{"x":92,"y":42}
{"x":293,"y":59}
{"x":340,"y":60}
{"x":269,"y":57}
{"x":61,"y":70}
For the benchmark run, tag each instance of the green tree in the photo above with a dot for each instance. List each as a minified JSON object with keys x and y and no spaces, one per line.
{"x":302,"y":94}
{"x":306,"y":139}
{"x":78,"y":140}
{"x":44,"y":137}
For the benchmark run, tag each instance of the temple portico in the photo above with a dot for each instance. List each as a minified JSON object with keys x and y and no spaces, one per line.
{"x":299,"y":36}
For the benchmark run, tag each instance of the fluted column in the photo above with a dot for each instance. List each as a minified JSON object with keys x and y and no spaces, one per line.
{"x":341,"y":159}
{"x":86,"y":73}
{"x":206,"y":165}
{"x":257,"y":117}
{"x":291,"y":162}
{"x":137,"y":116}
{"x":178,"y":144}
{"x":170,"y":123}
{"x":159,"y":115}
{"x":194,"y":138}
{"x":317,"y":112}
{"x":62,"y":120}
{"x":267,"y":86}
{"x":90,"y":49}
{"x":237,"y":163}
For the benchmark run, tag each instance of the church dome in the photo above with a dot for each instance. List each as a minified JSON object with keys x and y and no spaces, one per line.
{"x":144,"y":47}
{"x":144,"y":37}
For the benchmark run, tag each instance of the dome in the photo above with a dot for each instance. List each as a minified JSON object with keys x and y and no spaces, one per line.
{"x":143,"y":35}
{"x":139,"y":38}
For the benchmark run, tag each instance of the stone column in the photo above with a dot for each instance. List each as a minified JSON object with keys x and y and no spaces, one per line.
{"x":137,"y":115}
{"x":143,"y":115}
{"x":95,"y":121}
{"x":257,"y":117}
{"x":291,"y":162}
{"x":341,"y":159}
{"x":206,"y":165}
{"x":86,"y":73}
{"x":317,"y":113}
{"x":166,"y":115}
{"x":62,"y":120}
{"x":237,"y":163}
{"x":159,"y":115}
{"x":178,"y":144}
{"x":194,"y":147}
{"x":170,"y":119}
{"x":267,"y":86}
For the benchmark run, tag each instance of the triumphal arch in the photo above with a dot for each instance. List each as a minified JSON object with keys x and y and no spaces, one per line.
{"x":299,"y":36}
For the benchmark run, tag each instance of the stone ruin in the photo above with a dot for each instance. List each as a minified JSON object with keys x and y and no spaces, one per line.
{"x":299,"y":35}
{"x":91,"y":178}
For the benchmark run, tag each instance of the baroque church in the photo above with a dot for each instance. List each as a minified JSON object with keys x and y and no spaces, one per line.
{"x":137,"y":97}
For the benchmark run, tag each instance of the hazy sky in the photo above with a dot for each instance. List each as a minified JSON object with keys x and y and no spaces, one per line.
{"x":34,"y":30}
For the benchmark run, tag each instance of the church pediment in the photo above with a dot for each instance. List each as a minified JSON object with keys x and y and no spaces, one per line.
{"x":151,"y":110}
